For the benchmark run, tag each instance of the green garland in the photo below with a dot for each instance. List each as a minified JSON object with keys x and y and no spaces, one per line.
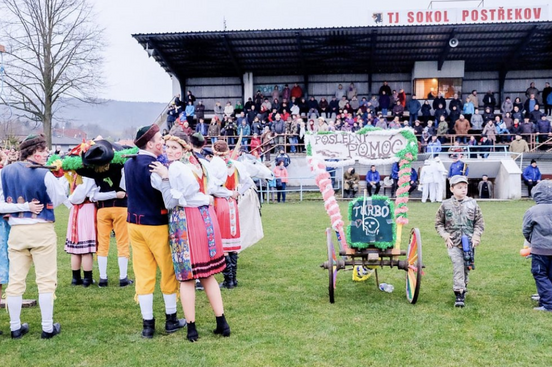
{"x":73,"y":163}
{"x":382,"y":244}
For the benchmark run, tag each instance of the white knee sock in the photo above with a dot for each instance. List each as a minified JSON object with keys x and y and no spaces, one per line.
{"x":146,"y":306}
{"x":46,"y":302}
{"x":102,"y":266}
{"x":14,"y":308}
{"x":170,"y":303}
{"x":123,"y":267}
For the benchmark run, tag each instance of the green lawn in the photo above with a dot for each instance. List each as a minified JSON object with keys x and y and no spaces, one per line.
{"x":280,"y":314}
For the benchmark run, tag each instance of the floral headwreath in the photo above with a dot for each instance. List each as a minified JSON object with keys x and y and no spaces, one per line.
{"x":185,"y":145}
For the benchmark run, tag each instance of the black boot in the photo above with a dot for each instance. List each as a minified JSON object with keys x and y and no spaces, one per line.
{"x":222,"y":326}
{"x":459,"y":299}
{"x":148,"y":328}
{"x":77,"y":280}
{"x":234,"y":259}
{"x":346,"y":194}
{"x":55,"y":331}
{"x":172,"y":323}
{"x":192,"y":332}
{"x":88,"y":280}
{"x":228,"y":281}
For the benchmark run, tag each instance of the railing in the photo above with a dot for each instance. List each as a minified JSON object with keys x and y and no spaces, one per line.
{"x":301,"y":188}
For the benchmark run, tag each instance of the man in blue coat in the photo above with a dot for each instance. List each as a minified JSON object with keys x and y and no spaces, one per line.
{"x":373,"y":180}
{"x":531,"y":176}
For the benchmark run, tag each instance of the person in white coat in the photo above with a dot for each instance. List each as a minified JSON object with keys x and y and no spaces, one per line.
{"x":427,"y":181}
{"x":440,"y":174}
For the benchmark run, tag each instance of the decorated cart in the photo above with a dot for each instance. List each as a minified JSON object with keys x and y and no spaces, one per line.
{"x":372,"y":237}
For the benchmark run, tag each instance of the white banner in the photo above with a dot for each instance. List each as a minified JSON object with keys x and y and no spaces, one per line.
{"x":533,"y":13}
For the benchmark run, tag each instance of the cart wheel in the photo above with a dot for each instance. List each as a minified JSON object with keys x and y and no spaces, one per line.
{"x":414,"y":271}
{"x":332,"y":265}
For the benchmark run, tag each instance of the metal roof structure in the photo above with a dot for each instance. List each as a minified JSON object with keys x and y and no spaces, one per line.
{"x":379,"y":49}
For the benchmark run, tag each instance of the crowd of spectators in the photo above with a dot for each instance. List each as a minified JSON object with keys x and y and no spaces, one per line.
{"x":281,"y":119}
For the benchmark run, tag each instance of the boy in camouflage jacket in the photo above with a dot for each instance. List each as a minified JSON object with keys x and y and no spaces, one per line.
{"x":457,"y":216}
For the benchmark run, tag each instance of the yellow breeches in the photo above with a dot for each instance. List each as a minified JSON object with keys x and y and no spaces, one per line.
{"x":108,"y":219}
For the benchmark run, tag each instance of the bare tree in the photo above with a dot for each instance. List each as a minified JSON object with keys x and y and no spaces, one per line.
{"x":53,"y":51}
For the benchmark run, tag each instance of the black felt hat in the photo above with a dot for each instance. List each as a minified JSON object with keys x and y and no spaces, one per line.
{"x":99,"y":154}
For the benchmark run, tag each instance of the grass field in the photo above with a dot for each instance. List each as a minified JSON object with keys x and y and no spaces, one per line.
{"x":280,"y":314}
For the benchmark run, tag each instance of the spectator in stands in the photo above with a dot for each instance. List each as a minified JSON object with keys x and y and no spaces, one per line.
{"x":248,"y":105}
{"x":543,"y":128}
{"x":518,"y":145}
{"x":461,"y":128}
{"x":312,"y":104}
{"x":172,"y":114}
{"x":516,"y":128}
{"x":276,"y":105}
{"x":286,"y":93}
{"x":293,"y":134}
{"x":489,"y":101}
{"x":442,"y":129}
{"x":468,"y":109}
{"x":547,"y":99}
{"x":531,"y":176}
{"x":283,"y":157}
{"x":527,"y":128}
{"x":477,"y":120}
{"x":529,"y":104}
{"x":455,"y":101}
{"x":531,"y":90}
{"x":455,"y":149}
{"x":200,"y":110}
{"x":454,"y":114}
{"x":351,"y":91}
{"x":322,"y":126}
{"x":258,"y":99}
{"x":502,"y":132}
{"x":384,"y":103}
{"x":424,"y":139}
{"x":340,"y":92}
{"x":281,"y":176}
{"x":485,"y":188}
{"x":472,"y":146}
{"x":395,"y":123}
{"x":256,"y":126}
{"x":440,"y":111}
{"x":458,"y":167}
{"x":382,"y":122}
{"x":507,"y":105}
{"x":518,"y":103}
{"x":190,"y":98}
{"x":373,"y":181}
{"x":244,"y":131}
{"x":355,"y":105}
{"x":413,"y":108}
{"x":219,"y":110}
{"x":214,"y":129}
{"x":474,"y":99}
{"x":276,"y":93}
{"x":418,"y":130}
{"x":375,"y":103}
{"x":185,"y":128}
{"x":517,"y":113}
{"x":230,"y":131}
{"x":297,"y":91}
{"x":266,"y":105}
{"x":351,"y":180}
{"x":177,"y":101}
{"x":252,"y":113}
{"x":333,"y":107}
{"x":431,"y":128}
{"x":398,"y":109}
{"x":202,"y":128}
{"x":343,"y":102}
{"x":395,"y":178}
{"x":324,"y":107}
{"x":385,"y":88}
{"x":394,"y":98}
{"x":267,"y":141}
{"x":440,"y":100}
{"x":402,"y":97}
{"x":488,"y":114}
{"x":426,"y":111}
{"x":413,"y":180}
{"x":279,"y":127}
{"x":228,"y":110}
{"x":431,"y":95}
{"x":255,"y":146}
{"x":535,"y":115}
{"x":508,"y":121}
{"x":295,"y":110}
{"x":485,"y":146}
{"x":434,"y":146}
{"x":490,"y":131}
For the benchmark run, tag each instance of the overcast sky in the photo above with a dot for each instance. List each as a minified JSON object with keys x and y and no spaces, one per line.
{"x":132,"y":76}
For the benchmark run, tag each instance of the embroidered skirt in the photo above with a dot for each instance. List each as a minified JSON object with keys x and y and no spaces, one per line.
{"x":229,"y":222}
{"x":81,"y":230}
{"x":4,"y":262}
{"x":195,"y":241}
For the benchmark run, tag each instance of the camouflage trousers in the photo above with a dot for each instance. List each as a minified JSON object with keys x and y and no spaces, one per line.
{"x":459,"y":270}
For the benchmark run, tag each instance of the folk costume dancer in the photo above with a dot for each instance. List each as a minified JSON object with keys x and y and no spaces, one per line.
{"x":80,"y":241}
{"x":7,"y":208}
{"x":32,"y":237}
{"x":149,"y":231}
{"x":230,"y":181}
{"x":194,"y":233}
{"x":111,"y":203}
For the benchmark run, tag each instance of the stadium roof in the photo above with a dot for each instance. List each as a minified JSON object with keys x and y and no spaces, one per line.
{"x":379,"y":49}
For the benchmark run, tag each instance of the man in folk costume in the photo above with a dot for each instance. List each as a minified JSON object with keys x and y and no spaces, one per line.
{"x":32,"y":237}
{"x":111,"y":203}
{"x":230,"y":181}
{"x":149,"y":231}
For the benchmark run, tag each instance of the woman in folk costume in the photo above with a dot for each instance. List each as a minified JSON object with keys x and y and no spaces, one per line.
{"x":194,"y":232}
{"x":80,"y":241}
{"x":230,"y":181}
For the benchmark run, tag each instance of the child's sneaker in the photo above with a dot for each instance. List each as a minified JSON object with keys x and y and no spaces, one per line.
{"x":459,"y":299}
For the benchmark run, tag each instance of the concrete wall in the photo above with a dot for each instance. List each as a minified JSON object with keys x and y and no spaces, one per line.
{"x":508,"y":181}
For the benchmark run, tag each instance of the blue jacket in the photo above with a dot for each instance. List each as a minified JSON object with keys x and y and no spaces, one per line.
{"x":413,"y":175}
{"x":372,"y":176}
{"x":395,"y":171}
{"x":190,"y":110}
{"x":531,"y":173}
{"x":202,"y":129}
{"x":458,"y":168}
{"x":244,"y":130}
{"x":413,"y":106}
{"x":434,"y":146}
